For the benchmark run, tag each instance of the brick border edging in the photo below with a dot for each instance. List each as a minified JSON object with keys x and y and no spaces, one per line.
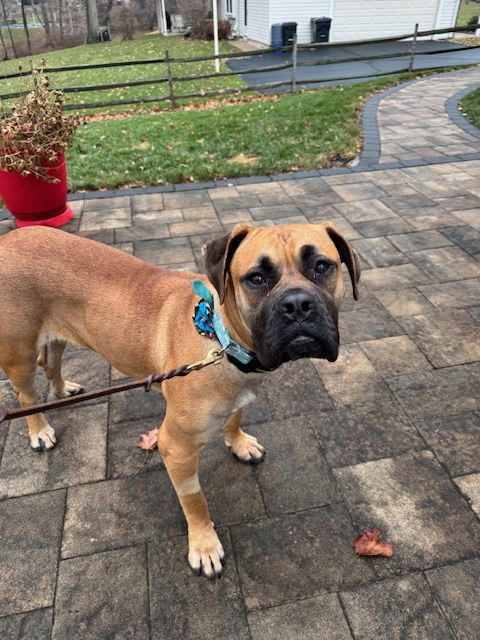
{"x":370,"y":154}
{"x":454,"y":113}
{"x":368,"y":159}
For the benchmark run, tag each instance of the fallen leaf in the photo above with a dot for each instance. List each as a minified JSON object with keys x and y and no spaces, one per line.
{"x":143,"y":145}
{"x":193,"y":106}
{"x":368,"y":544}
{"x":243,"y":159}
{"x":148,"y":441}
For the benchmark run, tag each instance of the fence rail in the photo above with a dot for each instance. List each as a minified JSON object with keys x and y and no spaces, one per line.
{"x":169,"y":79}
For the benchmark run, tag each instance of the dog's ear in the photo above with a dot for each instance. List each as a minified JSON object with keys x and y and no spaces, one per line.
{"x":347,"y":253}
{"x":218,"y":256}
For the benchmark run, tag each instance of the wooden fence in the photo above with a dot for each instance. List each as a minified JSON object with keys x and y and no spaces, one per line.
{"x":169,"y":79}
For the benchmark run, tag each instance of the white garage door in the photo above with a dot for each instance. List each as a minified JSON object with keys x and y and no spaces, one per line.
{"x":446,"y":15}
{"x":361,"y":20}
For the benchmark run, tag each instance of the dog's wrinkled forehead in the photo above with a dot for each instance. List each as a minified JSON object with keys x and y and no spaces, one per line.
{"x":282,"y":247}
{"x":229,"y":257}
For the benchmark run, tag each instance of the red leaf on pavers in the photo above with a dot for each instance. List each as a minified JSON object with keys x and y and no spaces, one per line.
{"x":148,"y":441}
{"x":368,"y":544}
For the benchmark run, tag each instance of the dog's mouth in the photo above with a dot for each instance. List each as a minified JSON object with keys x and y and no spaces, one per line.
{"x":297,"y":347}
{"x":305,"y":346}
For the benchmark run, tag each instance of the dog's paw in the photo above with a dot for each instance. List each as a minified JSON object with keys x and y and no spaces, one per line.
{"x":205,"y":553}
{"x":69,"y":389}
{"x":246,"y":448}
{"x":44,"y":440}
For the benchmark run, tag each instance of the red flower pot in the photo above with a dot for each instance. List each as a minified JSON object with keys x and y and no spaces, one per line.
{"x":33,"y":201}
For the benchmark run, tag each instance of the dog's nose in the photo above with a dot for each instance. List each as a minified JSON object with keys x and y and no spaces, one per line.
{"x":297,"y":306}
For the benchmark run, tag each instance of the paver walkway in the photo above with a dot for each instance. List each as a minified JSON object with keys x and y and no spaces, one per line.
{"x":415,"y":123}
{"x":93,"y":542}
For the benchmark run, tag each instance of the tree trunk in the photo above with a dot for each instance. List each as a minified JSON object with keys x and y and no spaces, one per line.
{"x":92,"y":22}
{"x":25,"y":28}
{"x":69,"y":18}
{"x":46,"y":24}
{"x":5,"y":18}
{"x":108,"y":11}
{"x":60,"y":21}
{"x":5,"y":52}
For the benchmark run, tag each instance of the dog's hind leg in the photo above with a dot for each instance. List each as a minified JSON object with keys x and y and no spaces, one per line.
{"x":21,"y":374}
{"x":50,"y":359}
{"x":244,"y":447}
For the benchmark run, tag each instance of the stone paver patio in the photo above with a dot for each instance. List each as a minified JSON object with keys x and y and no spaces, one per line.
{"x":93,"y":542}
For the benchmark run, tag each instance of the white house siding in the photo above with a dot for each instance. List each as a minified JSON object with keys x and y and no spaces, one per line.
{"x":351,"y":19}
{"x":300,"y":12}
{"x":258,"y":20}
{"x":362,"y":19}
{"x":240,"y":16}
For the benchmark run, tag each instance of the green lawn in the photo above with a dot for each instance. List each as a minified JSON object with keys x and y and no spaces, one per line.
{"x":467,"y":10}
{"x":471,"y":107}
{"x":141,"y":48}
{"x":319,"y":128}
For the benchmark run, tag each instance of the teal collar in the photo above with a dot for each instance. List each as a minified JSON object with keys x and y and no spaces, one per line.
{"x":208,"y":322}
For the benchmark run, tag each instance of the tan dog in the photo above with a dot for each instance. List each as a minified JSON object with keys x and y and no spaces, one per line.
{"x":278,"y":290}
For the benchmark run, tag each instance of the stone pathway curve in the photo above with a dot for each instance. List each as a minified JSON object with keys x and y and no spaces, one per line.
{"x":419,"y":122}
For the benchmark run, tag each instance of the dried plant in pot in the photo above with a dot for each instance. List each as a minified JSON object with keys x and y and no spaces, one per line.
{"x":34,"y":134}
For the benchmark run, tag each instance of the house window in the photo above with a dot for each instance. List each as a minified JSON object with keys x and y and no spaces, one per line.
{"x":229,"y":6}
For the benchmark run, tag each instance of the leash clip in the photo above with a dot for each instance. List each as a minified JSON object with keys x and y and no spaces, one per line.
{"x":214,"y":356}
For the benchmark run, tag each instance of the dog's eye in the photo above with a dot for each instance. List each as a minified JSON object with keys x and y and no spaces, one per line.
{"x":322,"y":266}
{"x":257,"y":279}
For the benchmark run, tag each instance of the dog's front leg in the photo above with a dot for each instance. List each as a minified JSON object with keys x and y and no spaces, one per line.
{"x":244,"y":447}
{"x":180,"y":453}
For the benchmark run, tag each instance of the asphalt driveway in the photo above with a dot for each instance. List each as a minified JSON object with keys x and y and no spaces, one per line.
{"x":427,"y":58}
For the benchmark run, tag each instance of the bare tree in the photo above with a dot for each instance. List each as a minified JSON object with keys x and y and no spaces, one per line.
{"x":123,"y":21}
{"x":5,"y":50}
{"x":60,"y":21}
{"x":25,"y":26}
{"x":104,"y":11}
{"x":92,"y":21}
{"x":6,"y":12}
{"x":44,"y":19}
{"x":146,"y":13}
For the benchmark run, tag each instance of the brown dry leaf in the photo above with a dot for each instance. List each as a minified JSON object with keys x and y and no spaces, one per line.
{"x":143,"y":145}
{"x":368,"y":544}
{"x":194,"y":106}
{"x":243,"y":159}
{"x":148,"y":441}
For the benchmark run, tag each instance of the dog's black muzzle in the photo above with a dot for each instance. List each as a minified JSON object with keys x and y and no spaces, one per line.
{"x":298,"y":323}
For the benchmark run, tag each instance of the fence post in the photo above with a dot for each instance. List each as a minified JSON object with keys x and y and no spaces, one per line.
{"x":412,"y":49}
{"x":170,"y":80}
{"x":294,"y":63}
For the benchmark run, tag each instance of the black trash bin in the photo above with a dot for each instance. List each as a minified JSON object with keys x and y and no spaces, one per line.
{"x":320,"y":29}
{"x":289,"y":29}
